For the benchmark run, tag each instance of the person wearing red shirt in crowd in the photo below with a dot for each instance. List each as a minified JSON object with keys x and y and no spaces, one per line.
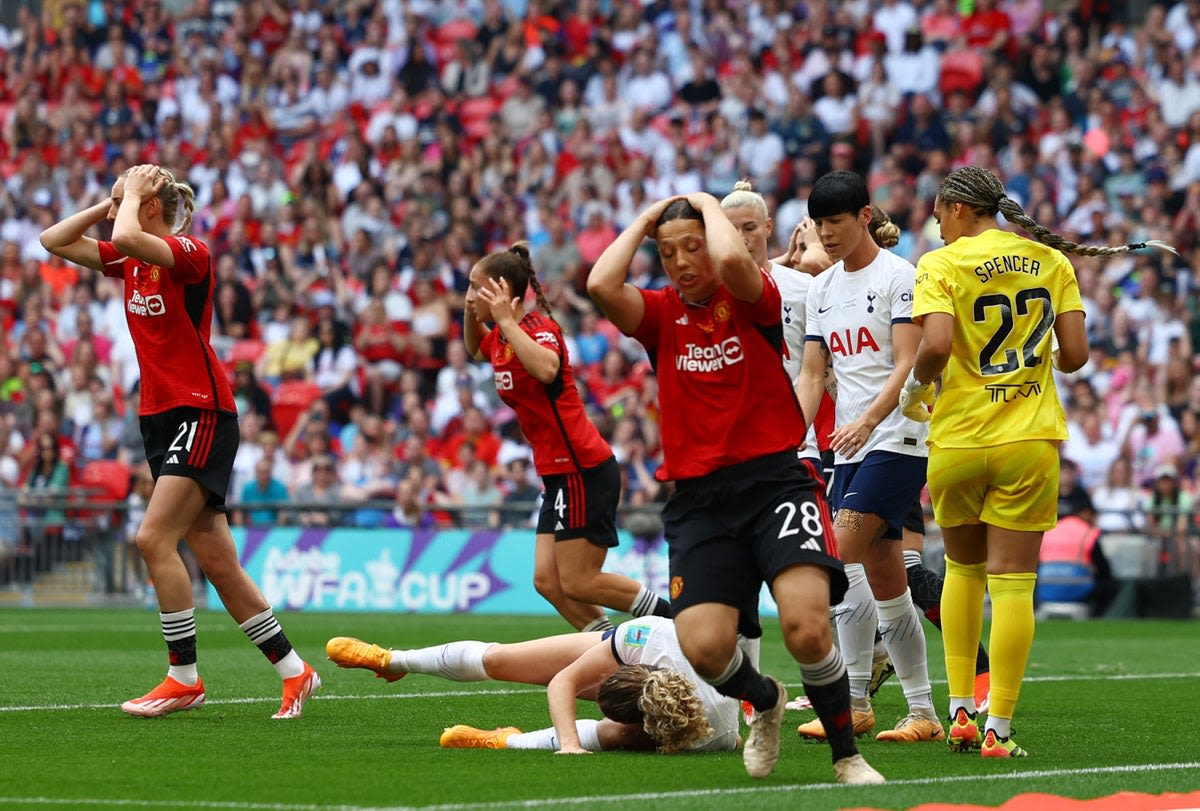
{"x":746,"y":509}
{"x":988,"y":27}
{"x":189,"y":426}
{"x":577,"y":523}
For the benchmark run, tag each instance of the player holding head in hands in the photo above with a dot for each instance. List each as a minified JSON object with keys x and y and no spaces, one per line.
{"x":990,"y":304}
{"x":577,"y":523}
{"x":745,"y":510}
{"x":189,"y":426}
{"x":860,"y":326}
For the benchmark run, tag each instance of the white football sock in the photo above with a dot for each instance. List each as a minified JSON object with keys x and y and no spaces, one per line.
{"x":456,"y":661}
{"x":900,"y":627}
{"x":546,"y":739}
{"x":856,"y":623}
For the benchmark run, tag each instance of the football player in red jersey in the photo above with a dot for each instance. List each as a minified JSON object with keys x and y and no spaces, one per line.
{"x":746,"y":510}
{"x":189,"y":426}
{"x":577,"y":522}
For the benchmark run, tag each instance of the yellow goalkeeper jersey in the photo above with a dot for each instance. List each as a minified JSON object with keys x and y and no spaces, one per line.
{"x":1004,"y":292}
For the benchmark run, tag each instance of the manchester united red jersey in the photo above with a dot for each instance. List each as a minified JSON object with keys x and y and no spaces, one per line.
{"x":551,"y":414}
{"x":170,"y":311}
{"x":724,"y":394}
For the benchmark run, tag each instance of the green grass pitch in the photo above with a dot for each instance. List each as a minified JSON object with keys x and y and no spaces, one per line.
{"x":1106,"y":708}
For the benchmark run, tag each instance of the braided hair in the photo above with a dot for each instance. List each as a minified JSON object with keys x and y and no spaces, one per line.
{"x":515,"y":266}
{"x":173,"y":193}
{"x":982,"y":191}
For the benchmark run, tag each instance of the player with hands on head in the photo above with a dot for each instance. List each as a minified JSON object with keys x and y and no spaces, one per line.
{"x":745,"y":508}
{"x":990,"y":304}
{"x":650,"y":696}
{"x":532,"y":372}
{"x":189,"y":426}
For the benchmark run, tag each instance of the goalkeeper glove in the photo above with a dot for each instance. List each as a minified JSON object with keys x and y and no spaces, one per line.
{"x":916,"y":399}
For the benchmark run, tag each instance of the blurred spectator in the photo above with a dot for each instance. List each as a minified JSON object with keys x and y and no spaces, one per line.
{"x":1118,"y":500}
{"x":264,"y":489}
{"x":323,"y":489}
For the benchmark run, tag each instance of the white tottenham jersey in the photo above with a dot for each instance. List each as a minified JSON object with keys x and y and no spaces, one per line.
{"x":852,"y":313}
{"x":793,"y":290}
{"x":652,"y":641}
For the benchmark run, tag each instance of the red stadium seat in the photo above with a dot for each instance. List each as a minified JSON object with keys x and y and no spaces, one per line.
{"x":108,"y":478}
{"x":290,"y":401}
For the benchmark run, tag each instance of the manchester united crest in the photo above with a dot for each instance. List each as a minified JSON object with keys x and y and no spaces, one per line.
{"x":721,"y":312}
{"x":676,"y":587}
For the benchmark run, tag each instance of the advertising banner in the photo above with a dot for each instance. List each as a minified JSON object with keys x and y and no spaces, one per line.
{"x":418,"y":571}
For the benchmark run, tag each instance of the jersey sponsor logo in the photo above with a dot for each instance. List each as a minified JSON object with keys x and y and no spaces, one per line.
{"x":844,"y":344}
{"x":187,"y":245}
{"x":504,"y":381}
{"x":907,"y":295}
{"x":710,"y":358}
{"x":151,"y":305}
{"x":1008,"y":392}
{"x":546,"y":337}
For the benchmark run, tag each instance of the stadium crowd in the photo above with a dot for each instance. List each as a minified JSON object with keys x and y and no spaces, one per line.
{"x":353,"y":159}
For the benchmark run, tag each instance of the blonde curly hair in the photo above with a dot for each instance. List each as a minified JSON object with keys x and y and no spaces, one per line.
{"x":661,"y":700}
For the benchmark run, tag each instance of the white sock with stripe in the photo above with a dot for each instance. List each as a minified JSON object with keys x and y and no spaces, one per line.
{"x":179,"y":632}
{"x":856,"y":623}
{"x":267,"y":634}
{"x":900,"y":627}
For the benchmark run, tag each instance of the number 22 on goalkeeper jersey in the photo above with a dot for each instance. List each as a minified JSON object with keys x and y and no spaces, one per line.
{"x":1004,"y":293}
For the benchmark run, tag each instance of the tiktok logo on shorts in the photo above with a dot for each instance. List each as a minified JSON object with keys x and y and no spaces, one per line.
{"x":714,"y":358}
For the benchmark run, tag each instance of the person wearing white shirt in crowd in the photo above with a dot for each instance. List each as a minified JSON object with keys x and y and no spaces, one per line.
{"x":647,"y":88}
{"x":1089,"y":448}
{"x":392,"y":115}
{"x":1118,"y":500}
{"x":895,"y":18}
{"x":760,"y":154}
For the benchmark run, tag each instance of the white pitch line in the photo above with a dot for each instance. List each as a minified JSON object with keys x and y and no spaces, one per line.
{"x":538,"y":690}
{"x":262,"y":699}
{"x":613,"y":798}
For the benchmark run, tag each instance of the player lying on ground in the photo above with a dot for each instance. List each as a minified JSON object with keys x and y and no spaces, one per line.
{"x":650,"y":696}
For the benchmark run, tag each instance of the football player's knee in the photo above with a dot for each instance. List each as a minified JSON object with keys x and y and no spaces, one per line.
{"x":848,"y":519}
{"x":807,"y":636}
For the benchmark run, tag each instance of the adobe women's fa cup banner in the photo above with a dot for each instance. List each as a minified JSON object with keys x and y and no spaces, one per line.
{"x":418,"y":571}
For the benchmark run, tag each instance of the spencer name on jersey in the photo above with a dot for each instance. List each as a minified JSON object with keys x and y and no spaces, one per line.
{"x":998,"y":384}
{"x":551,"y":414}
{"x":722,"y":386}
{"x":170,"y":313}
{"x":999,"y":265}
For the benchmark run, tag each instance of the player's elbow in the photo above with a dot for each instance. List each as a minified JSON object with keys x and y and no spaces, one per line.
{"x":1071,"y":360}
